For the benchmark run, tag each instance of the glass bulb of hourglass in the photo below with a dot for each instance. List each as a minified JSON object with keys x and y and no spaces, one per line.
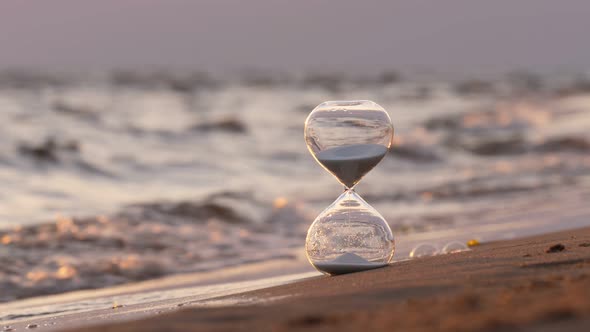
{"x":348,"y":139}
{"x":349,"y":236}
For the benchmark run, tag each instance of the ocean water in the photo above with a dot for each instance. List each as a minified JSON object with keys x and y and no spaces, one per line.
{"x":115,"y":178}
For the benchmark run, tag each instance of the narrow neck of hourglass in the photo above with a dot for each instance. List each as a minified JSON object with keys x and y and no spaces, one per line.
{"x":349,"y":198}
{"x":351,"y":189}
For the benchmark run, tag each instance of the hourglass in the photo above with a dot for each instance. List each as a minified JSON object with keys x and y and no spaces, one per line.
{"x":349,"y":138}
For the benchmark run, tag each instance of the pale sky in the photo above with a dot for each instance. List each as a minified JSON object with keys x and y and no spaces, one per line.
{"x":372,"y":35}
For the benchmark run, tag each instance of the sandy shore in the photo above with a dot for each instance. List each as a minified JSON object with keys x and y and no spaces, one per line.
{"x":540,"y":283}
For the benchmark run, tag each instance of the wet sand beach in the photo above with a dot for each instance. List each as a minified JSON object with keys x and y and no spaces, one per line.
{"x":538,"y":283}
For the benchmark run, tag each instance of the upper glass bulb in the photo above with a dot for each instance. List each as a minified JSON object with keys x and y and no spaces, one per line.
{"x":348,"y":138}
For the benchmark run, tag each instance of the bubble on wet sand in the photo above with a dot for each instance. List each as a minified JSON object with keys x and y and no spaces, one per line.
{"x":454,"y":247}
{"x":424,"y":250}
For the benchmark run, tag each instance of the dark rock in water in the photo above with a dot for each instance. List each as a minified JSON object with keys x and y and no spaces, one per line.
{"x":54,"y":152}
{"x":80,"y":111}
{"x":123,"y":77}
{"x":389,"y":77}
{"x":29,"y":79}
{"x":472,"y":87}
{"x":492,"y":132}
{"x":44,"y":152}
{"x":213,"y":209}
{"x":48,"y":150}
{"x":487,"y":186}
{"x":232,"y":125}
{"x":190,"y":82}
{"x":414,"y":153}
{"x":579,"y":86}
{"x":444,"y":122}
{"x":523,"y":81}
{"x":489,"y":146}
{"x":577,"y":144}
{"x":197,"y":210}
{"x":510,"y":145}
{"x":481,"y":122}
{"x":181,"y":85}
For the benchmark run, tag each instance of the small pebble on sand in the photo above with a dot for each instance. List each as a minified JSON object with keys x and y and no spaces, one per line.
{"x":473,"y":243}
{"x":555,"y":248}
{"x":117,"y":305}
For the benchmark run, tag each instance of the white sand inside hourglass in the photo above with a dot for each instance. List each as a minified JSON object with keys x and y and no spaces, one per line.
{"x":351,"y":162}
{"x":347,"y":263}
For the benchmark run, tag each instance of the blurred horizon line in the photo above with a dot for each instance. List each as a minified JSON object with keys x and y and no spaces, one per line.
{"x":390,"y":74}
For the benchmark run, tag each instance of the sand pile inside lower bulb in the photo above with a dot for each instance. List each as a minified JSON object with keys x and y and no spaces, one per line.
{"x":347,"y":263}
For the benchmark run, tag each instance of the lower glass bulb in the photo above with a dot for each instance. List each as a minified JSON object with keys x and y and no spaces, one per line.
{"x":349,"y":236}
